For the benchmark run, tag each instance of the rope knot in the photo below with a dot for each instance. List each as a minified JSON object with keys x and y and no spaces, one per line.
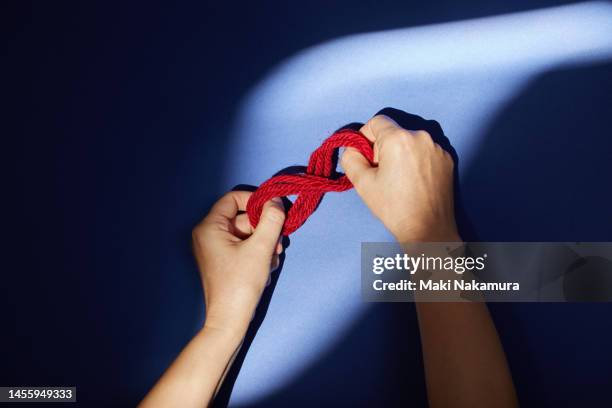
{"x":319,"y":178}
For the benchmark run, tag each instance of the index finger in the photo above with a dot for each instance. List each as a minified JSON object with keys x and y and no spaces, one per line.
{"x":229,"y":205}
{"x":378,"y":126}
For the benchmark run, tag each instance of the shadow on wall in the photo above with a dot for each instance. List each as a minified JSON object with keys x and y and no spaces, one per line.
{"x":542,"y":173}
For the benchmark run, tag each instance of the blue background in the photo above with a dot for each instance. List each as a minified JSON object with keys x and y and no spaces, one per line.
{"x":111,"y":101}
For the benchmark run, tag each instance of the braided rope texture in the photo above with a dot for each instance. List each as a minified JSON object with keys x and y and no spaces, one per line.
{"x":320,"y":177}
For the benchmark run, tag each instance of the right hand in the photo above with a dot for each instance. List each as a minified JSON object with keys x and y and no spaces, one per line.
{"x":411,"y":188}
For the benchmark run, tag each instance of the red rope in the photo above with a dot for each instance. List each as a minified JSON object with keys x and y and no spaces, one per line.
{"x":320,"y":177}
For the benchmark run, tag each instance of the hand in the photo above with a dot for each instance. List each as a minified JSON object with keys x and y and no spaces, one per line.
{"x":235,"y":260}
{"x":411,"y":189}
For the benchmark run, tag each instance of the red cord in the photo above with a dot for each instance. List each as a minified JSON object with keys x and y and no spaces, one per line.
{"x":311,"y":185}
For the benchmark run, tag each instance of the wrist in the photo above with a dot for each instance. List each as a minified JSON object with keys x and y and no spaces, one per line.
{"x":231,"y":332}
{"x":231,"y":322}
{"x":231,"y":335}
{"x":427,"y":235}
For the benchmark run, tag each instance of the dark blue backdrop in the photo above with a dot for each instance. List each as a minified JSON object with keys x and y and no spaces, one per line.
{"x":110,"y":100}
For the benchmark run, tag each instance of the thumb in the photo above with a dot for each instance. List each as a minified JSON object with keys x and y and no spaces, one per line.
{"x":270,"y":225}
{"x":356,"y":166}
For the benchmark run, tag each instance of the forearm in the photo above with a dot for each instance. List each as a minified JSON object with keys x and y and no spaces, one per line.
{"x":194,"y":377}
{"x":465,"y":365}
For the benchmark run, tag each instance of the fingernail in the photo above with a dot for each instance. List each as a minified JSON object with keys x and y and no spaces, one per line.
{"x":278,"y":201}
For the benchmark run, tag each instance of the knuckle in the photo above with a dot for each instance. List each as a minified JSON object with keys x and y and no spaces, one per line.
{"x":355,"y":180}
{"x":197,"y":234}
{"x":422,"y":133}
{"x":424,"y":136}
{"x":201,"y":233}
{"x":404,"y":134}
{"x":399,"y":135}
{"x":446,"y":157}
{"x":376,"y":120}
{"x":449,"y":159}
{"x":227,"y":195}
{"x":345,"y":158}
{"x":401,"y":139}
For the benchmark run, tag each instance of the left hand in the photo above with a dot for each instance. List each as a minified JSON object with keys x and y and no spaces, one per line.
{"x":235,"y":260}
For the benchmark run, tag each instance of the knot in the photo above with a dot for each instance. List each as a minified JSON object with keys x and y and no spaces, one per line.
{"x":319,"y":178}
